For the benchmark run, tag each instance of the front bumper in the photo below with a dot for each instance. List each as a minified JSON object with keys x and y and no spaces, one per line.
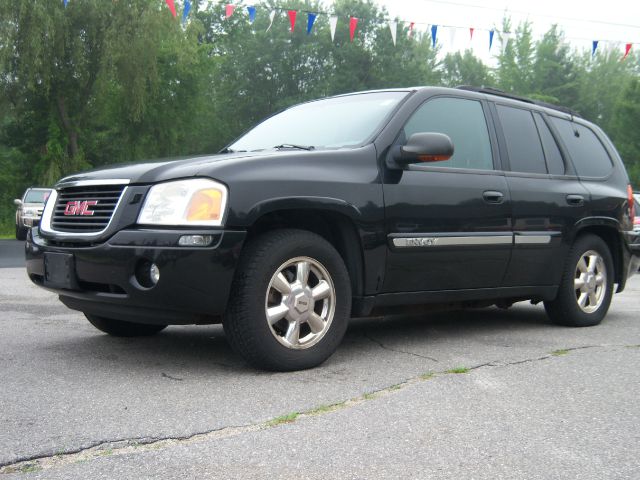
{"x":194,"y":282}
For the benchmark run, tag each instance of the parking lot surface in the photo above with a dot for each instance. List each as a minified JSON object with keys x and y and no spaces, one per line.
{"x":470,"y":394}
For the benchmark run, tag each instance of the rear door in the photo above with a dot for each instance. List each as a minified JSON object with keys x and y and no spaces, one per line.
{"x":547,"y":197}
{"x":448,"y":223}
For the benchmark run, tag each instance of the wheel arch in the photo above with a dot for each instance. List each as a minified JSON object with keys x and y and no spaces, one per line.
{"x":332,"y":224}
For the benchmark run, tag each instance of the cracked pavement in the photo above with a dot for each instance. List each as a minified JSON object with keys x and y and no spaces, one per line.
{"x":538,"y":401}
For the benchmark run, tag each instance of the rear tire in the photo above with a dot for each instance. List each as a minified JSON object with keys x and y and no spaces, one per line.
{"x":586,"y":287}
{"x":118,"y":328}
{"x":291,"y":301}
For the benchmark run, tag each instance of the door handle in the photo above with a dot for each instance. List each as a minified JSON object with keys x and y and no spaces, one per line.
{"x":575,"y":200}
{"x":491,"y":196}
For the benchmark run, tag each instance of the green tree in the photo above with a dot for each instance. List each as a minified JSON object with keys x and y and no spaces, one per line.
{"x":465,"y":69}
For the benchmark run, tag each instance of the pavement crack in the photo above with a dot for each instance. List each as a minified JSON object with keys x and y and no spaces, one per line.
{"x":386,"y":347}
{"x":165,"y":375}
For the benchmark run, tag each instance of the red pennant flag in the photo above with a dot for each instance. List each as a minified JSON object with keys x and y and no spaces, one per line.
{"x":228,"y":10}
{"x":353,"y":24}
{"x":627,"y":49}
{"x":471,"y":33}
{"x":172,"y":7}
{"x":292,"y":18}
{"x":411,"y":29}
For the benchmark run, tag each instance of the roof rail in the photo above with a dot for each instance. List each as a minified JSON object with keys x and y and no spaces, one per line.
{"x":501,"y":93}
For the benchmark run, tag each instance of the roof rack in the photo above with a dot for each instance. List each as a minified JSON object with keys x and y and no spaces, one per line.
{"x":501,"y":93}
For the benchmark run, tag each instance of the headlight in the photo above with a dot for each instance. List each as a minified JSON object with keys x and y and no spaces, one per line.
{"x":185,"y":202}
{"x":30,"y":212}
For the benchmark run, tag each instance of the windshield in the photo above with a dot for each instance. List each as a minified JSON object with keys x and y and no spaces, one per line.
{"x":331,"y":123}
{"x":36,"y":196}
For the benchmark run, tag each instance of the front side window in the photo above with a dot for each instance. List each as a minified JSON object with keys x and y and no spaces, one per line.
{"x":335,"y":122}
{"x":464,"y":122}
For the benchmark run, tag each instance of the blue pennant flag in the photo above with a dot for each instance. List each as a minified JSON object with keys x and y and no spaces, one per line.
{"x":434,"y":32}
{"x":65,"y":3}
{"x":252,"y":13}
{"x":594,"y":47}
{"x":185,"y":12}
{"x":311,"y":17}
{"x":491,"y":32}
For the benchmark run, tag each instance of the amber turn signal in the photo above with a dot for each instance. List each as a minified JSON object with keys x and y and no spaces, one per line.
{"x":205,"y":205}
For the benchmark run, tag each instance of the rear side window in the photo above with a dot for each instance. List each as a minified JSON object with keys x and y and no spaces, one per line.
{"x":464,"y":122}
{"x":523,"y":143}
{"x":587,"y":152}
{"x":555,"y":163}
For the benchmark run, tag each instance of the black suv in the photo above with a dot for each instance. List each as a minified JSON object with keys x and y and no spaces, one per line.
{"x":348,"y":206}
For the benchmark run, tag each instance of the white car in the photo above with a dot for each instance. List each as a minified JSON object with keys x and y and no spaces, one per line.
{"x":29,"y":210}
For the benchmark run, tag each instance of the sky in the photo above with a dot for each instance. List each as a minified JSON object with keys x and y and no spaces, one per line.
{"x":613,"y":22}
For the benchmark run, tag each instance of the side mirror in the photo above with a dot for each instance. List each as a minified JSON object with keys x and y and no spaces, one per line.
{"x":424,"y":147}
{"x":17,"y":202}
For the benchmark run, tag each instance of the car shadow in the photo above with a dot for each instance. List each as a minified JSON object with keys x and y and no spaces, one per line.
{"x":203,"y":350}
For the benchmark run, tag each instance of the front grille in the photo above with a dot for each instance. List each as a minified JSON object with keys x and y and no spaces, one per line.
{"x":75,"y":200}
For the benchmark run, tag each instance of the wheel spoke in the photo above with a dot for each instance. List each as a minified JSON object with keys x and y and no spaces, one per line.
{"x":582,"y":265}
{"x":600,"y":279}
{"x":293,"y":333}
{"x":582,"y":299}
{"x":281,"y":284}
{"x":302,"y":273}
{"x":277,"y":313}
{"x":593,"y":299}
{"x":321,"y":291}
{"x":316,"y":324}
{"x":578,"y":283}
{"x":593,"y":261}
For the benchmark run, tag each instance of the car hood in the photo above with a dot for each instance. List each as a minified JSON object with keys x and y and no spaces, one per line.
{"x":169,"y":169}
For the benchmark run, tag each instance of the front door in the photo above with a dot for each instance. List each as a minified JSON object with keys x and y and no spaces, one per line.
{"x":448,"y":224}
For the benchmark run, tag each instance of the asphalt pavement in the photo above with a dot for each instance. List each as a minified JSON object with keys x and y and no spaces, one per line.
{"x":11,"y":253}
{"x":482,"y":394}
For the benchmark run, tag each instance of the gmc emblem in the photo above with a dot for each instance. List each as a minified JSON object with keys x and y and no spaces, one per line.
{"x":77,"y":207}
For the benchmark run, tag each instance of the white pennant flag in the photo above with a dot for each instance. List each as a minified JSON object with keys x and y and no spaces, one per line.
{"x":452,"y":36}
{"x":393,"y":26}
{"x":333,"y":23}
{"x":505,"y":37}
{"x":272,"y":15}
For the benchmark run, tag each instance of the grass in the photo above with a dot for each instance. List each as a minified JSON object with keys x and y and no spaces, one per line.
{"x":7,"y":236}
{"x":288,"y":418}
{"x":558,"y":353}
{"x":427,"y":376}
{"x":458,"y":370}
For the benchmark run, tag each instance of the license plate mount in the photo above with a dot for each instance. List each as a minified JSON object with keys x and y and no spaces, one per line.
{"x":60,"y":271}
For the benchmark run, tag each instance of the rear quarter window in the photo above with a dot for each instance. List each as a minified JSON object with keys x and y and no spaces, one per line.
{"x":589,"y":156}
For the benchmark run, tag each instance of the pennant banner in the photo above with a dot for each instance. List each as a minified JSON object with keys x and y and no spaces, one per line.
{"x":185,"y":11}
{"x":594,"y":47}
{"x":471,"y":34}
{"x":292,"y":19}
{"x":272,"y":15}
{"x":434,"y":32}
{"x":627,"y":49}
{"x":411,"y":25}
{"x":170,"y":4}
{"x":228,"y":10}
{"x":491,"y":32}
{"x":353,"y":24}
{"x":65,"y":3}
{"x":333,"y":23}
{"x":393,"y":26}
{"x":311,"y":17}
{"x":452,"y":36}
{"x":252,"y":13}
{"x":505,"y":37}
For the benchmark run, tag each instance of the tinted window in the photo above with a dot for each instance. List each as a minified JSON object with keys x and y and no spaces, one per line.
{"x":522,"y":139}
{"x":555,"y":164}
{"x":588,"y":154}
{"x":330,"y":123}
{"x":463,"y":121}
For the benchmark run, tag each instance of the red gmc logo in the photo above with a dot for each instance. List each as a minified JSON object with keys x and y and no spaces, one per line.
{"x":77,"y":207}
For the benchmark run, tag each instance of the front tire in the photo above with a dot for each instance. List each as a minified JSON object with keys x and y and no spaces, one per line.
{"x":21,"y":233}
{"x":118,"y":328}
{"x":291,"y":301}
{"x":586,"y":287}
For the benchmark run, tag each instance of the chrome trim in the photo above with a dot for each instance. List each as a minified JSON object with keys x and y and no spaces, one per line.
{"x":440,"y":241}
{"x":90,"y":183}
{"x":45,"y":222}
{"x":532,"y":239}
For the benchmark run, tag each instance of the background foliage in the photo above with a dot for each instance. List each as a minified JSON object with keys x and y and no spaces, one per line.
{"x":103,"y":82}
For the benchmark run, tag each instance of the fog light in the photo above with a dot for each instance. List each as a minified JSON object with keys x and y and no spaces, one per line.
{"x":154,"y":273}
{"x":195,"y":240}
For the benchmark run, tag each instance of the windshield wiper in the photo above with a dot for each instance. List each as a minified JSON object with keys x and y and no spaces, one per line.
{"x":293,"y":145}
